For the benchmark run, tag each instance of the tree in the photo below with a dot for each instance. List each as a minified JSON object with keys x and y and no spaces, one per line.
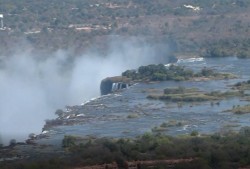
{"x":68,"y":141}
{"x":59,"y":112}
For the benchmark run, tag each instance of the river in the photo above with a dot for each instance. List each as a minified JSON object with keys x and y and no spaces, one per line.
{"x":128,"y":113}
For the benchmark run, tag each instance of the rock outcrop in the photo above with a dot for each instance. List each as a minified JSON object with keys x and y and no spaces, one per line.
{"x":112,"y":84}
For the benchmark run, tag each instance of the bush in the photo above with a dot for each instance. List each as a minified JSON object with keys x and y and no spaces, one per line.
{"x":207,"y":72}
{"x":158,"y":77}
{"x":245,"y":131}
{"x":129,"y":74}
{"x":68,"y":141}
{"x":194,"y":133}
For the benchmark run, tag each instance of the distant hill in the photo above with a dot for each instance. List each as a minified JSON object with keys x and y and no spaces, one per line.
{"x":192,"y":26}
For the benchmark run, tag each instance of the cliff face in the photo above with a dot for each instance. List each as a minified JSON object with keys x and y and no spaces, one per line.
{"x":112,"y":84}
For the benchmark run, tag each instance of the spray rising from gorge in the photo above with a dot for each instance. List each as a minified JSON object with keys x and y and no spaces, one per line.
{"x":32,"y":89}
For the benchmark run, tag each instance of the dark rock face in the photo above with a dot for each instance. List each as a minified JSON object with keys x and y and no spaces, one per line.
{"x":106,"y":86}
{"x":112,"y":84}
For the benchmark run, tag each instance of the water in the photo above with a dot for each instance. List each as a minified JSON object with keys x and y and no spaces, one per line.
{"x":129,"y":113}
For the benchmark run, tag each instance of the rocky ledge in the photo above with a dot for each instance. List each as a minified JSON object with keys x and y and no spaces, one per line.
{"x":112,"y":84}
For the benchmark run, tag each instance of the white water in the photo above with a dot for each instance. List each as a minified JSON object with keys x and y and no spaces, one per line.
{"x":198,"y":59}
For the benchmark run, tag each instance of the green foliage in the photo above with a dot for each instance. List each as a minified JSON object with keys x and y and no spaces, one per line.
{"x":217,"y":52}
{"x":245,"y":131}
{"x":59,"y":112}
{"x":194,"y":133}
{"x":158,"y":77}
{"x":68,"y":141}
{"x":172,"y":123}
{"x":149,"y":70}
{"x":173,"y":72}
{"x":159,"y":73}
{"x":132,"y":116}
{"x":207,"y":72}
{"x":52,"y":25}
{"x":243,"y":54}
{"x":130,"y":74}
{"x":215,"y":151}
{"x":223,"y":48}
{"x":182,"y":94}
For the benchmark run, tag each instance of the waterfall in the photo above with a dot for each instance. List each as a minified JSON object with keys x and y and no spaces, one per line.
{"x":115,"y":87}
{"x":119,"y":86}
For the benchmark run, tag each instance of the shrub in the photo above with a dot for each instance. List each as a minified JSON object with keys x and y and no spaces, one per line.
{"x":207,"y":72}
{"x":158,"y":77}
{"x":194,"y":133}
{"x":68,"y":141}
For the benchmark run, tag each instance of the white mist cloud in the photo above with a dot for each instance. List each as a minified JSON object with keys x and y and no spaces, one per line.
{"x":32,"y":89}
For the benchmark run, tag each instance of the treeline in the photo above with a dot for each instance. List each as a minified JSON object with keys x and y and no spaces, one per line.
{"x":215,"y":151}
{"x":159,"y":73}
{"x":227,"y":151}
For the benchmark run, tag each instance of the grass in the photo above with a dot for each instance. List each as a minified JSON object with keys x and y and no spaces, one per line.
{"x":165,"y":125}
{"x":132,"y":116}
{"x":159,"y":129}
{"x":182,"y":94}
{"x":173,"y":123}
{"x":225,"y":76}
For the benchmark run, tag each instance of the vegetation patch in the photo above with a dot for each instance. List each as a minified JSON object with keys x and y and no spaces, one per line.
{"x":173,"y":123}
{"x":214,"y":151}
{"x":180,"y":90}
{"x":245,"y":85}
{"x":132,"y":116}
{"x":159,"y":129}
{"x":165,"y":125}
{"x":240,"y":109}
{"x":182,"y":94}
{"x":159,"y":73}
{"x":173,"y":72}
{"x":224,"y":48}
